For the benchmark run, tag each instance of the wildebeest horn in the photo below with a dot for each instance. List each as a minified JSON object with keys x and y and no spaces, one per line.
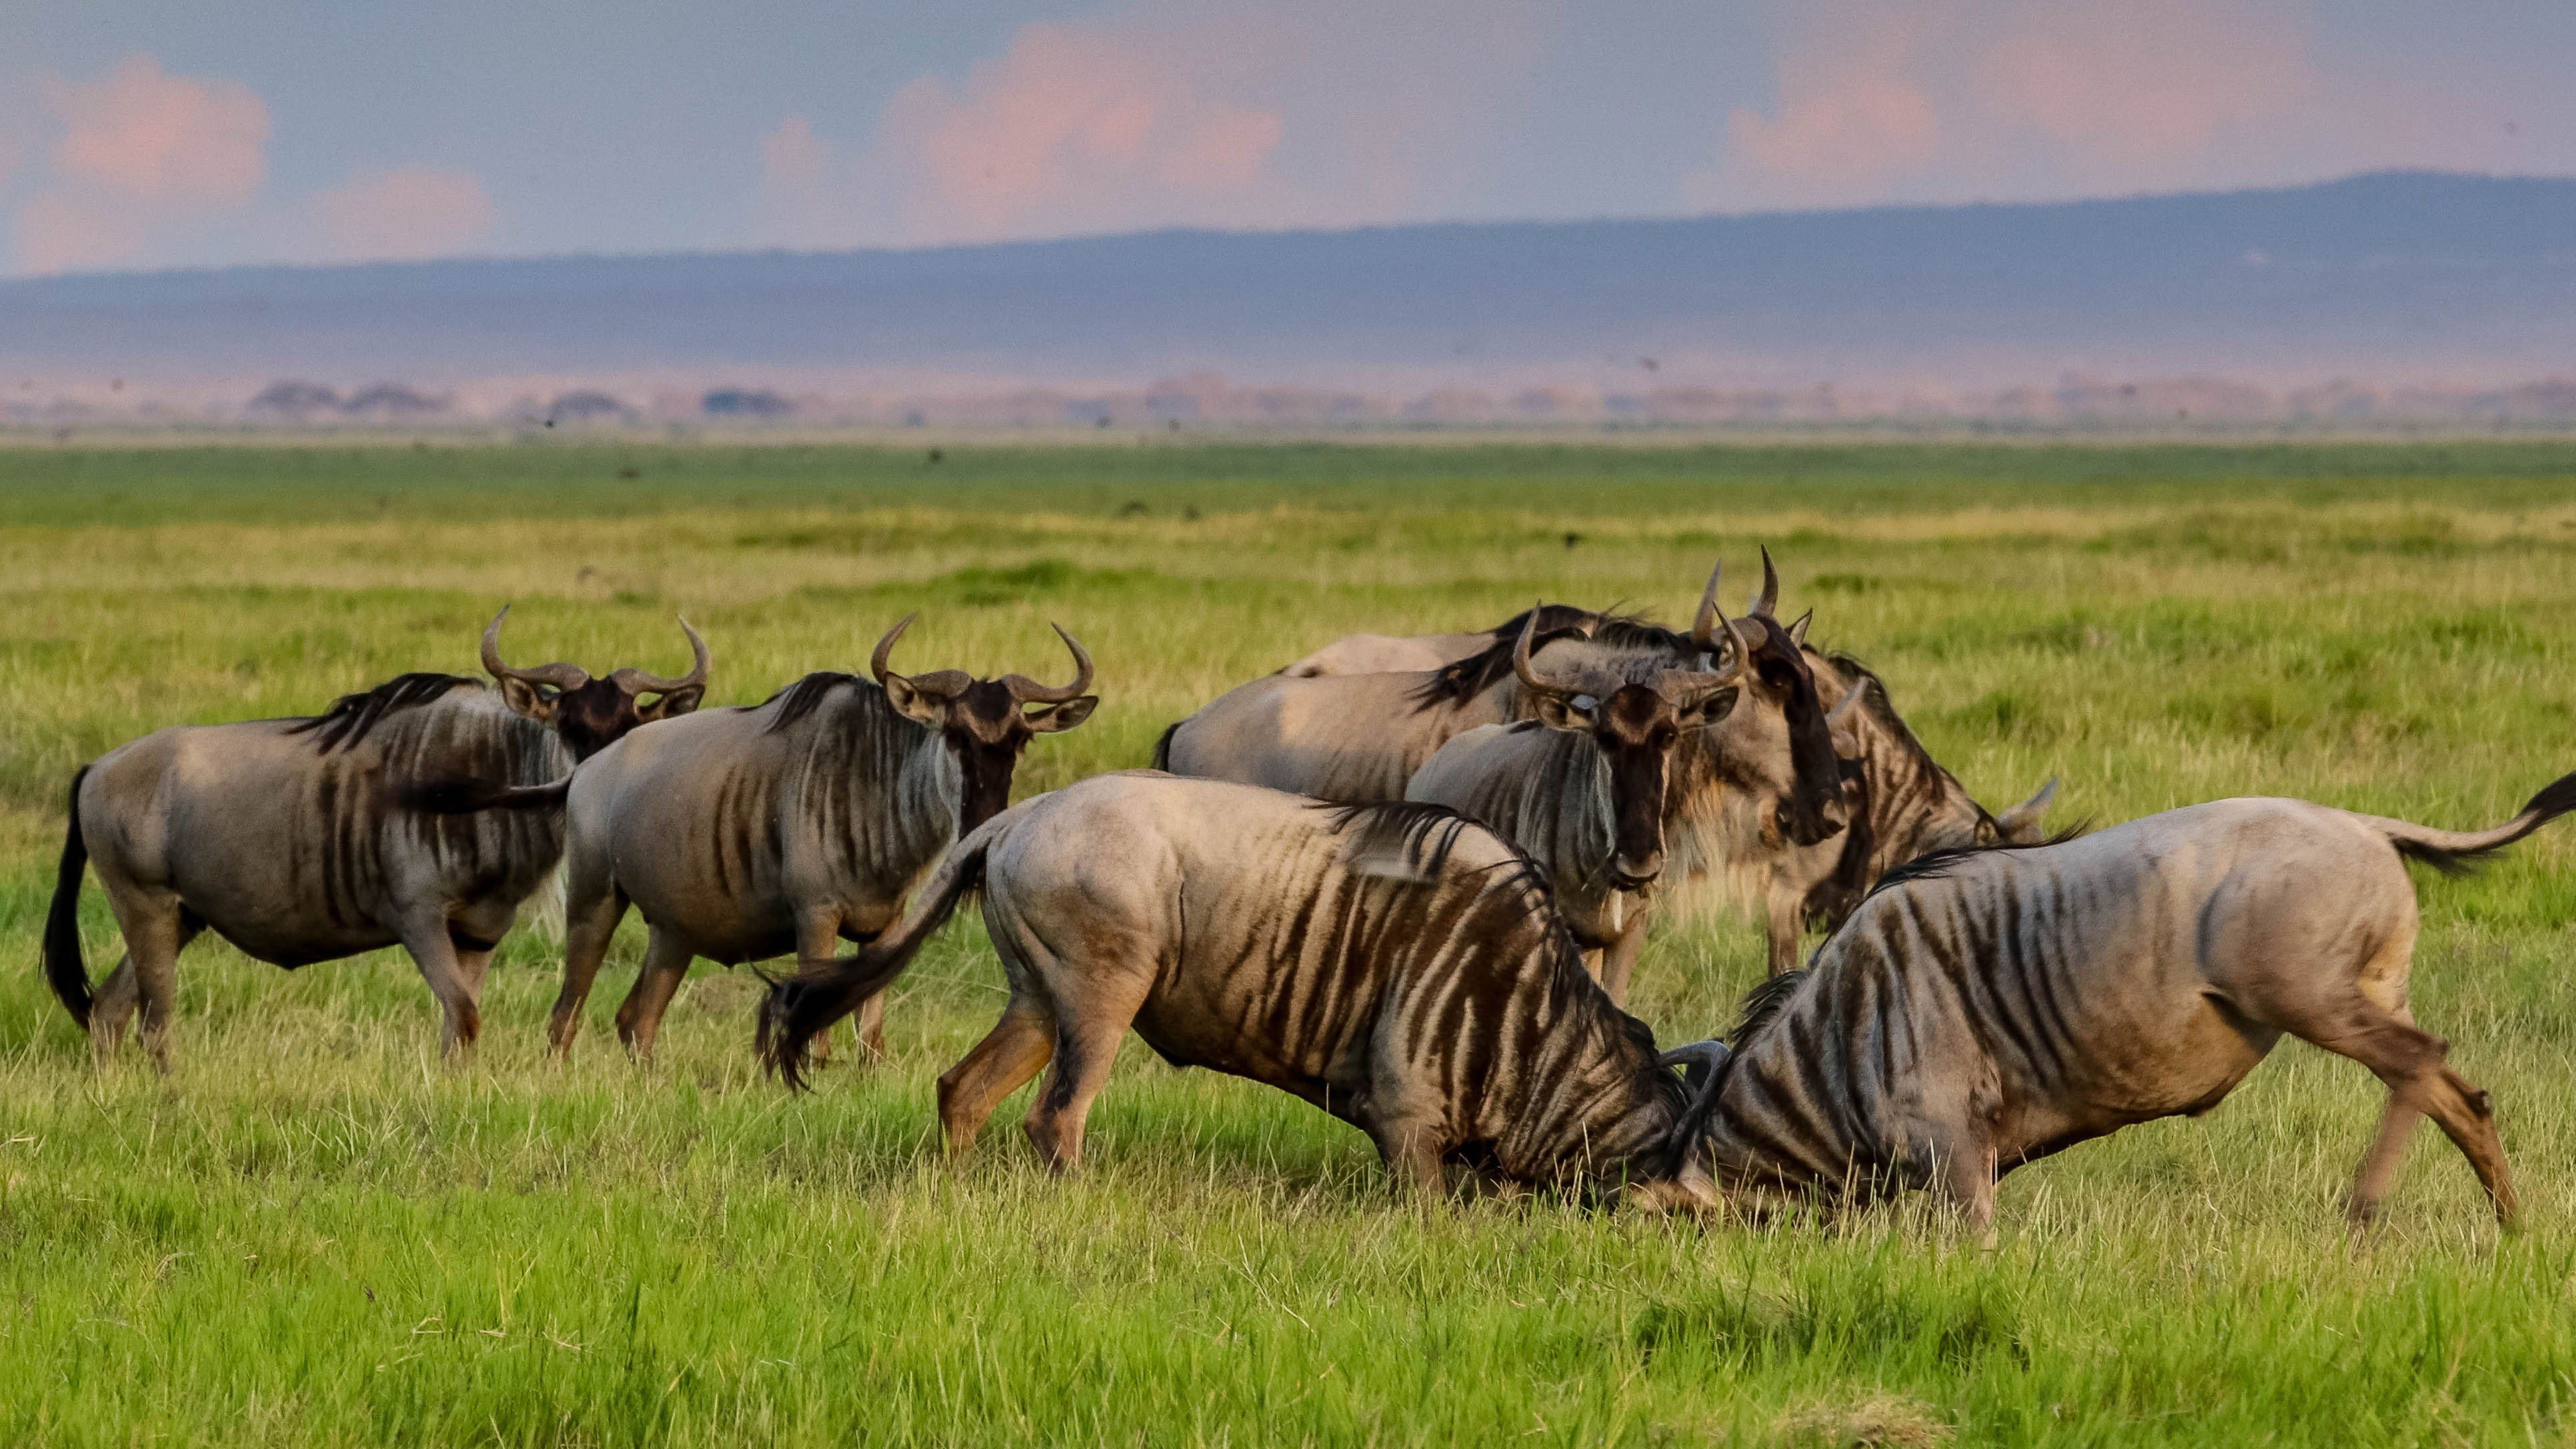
{"x":1850,"y":701}
{"x":2027,"y":813}
{"x":1025,"y":690}
{"x":1704,"y":626}
{"x":1769,"y":599}
{"x":636,"y":681}
{"x":1526,"y":671}
{"x":1711,"y":619}
{"x":885,"y":646}
{"x":1699,"y":1060}
{"x":559,"y":675}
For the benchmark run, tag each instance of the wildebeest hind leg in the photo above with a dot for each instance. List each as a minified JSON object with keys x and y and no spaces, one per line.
{"x":2411,"y":1062}
{"x":592,"y":910}
{"x":1087,"y":1031}
{"x":1016,"y":1049}
{"x":639,"y":1017}
{"x":156,"y":928}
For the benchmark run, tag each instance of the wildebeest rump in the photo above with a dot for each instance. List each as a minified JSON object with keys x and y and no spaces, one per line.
{"x":1986,"y":1008}
{"x":289,"y":839}
{"x":743,"y":834}
{"x":1396,"y":965}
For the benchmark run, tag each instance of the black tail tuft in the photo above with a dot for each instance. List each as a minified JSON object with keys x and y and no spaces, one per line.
{"x":464,"y":795}
{"x":1163,"y":745}
{"x":65,"y":971}
{"x":2556,"y":798}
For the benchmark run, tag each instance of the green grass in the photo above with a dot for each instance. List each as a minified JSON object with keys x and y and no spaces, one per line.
{"x":315,"y":1234}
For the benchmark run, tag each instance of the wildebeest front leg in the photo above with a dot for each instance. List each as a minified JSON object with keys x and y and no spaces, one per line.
{"x":425,"y":936}
{"x":818,"y":935}
{"x":1619,"y":958}
{"x":1784,"y":918}
{"x":639,"y":1017}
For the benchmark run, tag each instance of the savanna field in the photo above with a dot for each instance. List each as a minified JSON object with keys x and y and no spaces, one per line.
{"x":314,"y":1233}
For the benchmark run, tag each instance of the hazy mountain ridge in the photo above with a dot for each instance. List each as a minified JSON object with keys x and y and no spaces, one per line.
{"x":2393,"y":278}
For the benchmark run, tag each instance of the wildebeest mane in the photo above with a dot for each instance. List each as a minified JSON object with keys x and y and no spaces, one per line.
{"x":1462,"y":680}
{"x":352,"y":716}
{"x":1935,"y":864}
{"x":804,"y":697}
{"x":1415,"y":833}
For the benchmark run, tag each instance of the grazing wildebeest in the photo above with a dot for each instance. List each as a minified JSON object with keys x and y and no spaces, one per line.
{"x":744,"y":834}
{"x":1397,"y":965}
{"x":288,"y":838}
{"x":1986,"y":1007}
{"x":1580,"y":787}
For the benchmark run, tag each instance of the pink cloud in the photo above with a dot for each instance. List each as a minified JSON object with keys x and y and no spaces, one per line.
{"x":1890,"y":98}
{"x":1068,"y":128}
{"x":156,"y":137}
{"x":406,"y":215}
{"x":2140,"y":91}
{"x":140,"y":151}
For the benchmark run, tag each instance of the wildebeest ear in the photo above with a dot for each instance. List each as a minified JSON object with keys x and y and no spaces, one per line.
{"x":1564,"y":711}
{"x":525,"y":698}
{"x":677,"y":702}
{"x":1719,"y":705}
{"x":909,"y":701}
{"x":1053,"y":718}
{"x":1798,"y":631}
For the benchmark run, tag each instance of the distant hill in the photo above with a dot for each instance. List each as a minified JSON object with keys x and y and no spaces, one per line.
{"x":2389,"y":274}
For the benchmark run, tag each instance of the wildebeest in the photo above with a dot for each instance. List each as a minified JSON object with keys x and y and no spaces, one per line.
{"x":1984,"y":1008}
{"x":288,"y":838}
{"x":1396,"y":965}
{"x":1580,"y":787}
{"x":1904,"y":805}
{"x":743,"y":834}
{"x":1899,"y":804}
{"x":1359,"y":738}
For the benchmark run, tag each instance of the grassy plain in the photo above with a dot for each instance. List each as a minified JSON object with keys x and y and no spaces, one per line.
{"x":314,"y":1235}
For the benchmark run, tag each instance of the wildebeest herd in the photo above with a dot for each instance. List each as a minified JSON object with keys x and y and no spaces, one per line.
{"x":1404,"y":878}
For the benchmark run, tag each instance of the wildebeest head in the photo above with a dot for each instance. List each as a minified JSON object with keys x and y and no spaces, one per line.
{"x":590,"y":714}
{"x":985,"y":723}
{"x":1785,"y":751}
{"x":1635,"y":725}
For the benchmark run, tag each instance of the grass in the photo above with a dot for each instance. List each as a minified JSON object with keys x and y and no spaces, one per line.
{"x":315,"y":1235}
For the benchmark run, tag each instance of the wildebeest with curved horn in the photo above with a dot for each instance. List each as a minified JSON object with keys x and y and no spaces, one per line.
{"x":1354,"y":739}
{"x":744,"y":834}
{"x":1580,"y":788}
{"x":289,"y":839}
{"x":1902,"y":804}
{"x":1397,"y":965}
{"x":1987,"y":1007}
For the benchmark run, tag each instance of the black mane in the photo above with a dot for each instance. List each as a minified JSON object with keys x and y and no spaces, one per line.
{"x":1935,"y":864}
{"x":803,"y":697}
{"x":1464,"y":679}
{"x":352,"y":716}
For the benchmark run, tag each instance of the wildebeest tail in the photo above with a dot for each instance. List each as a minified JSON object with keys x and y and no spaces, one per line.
{"x":1163,"y":745}
{"x":2453,"y":852}
{"x":464,"y":795}
{"x":801,"y":1007}
{"x":65,"y":971}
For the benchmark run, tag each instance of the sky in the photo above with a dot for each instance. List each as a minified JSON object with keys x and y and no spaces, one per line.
{"x":168,"y":133}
